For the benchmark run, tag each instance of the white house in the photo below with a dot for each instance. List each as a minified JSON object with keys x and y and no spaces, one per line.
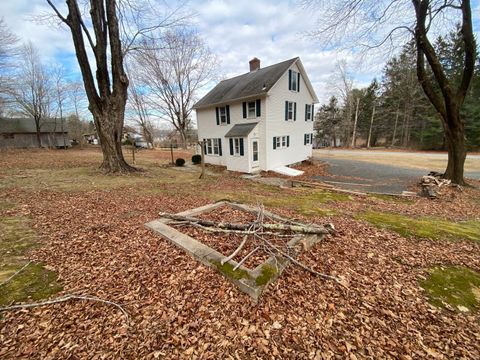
{"x":261,"y":120}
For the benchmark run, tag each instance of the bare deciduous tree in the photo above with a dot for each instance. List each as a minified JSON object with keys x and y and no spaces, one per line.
{"x":173,"y":71}
{"x":138,"y":102}
{"x":116,"y":27}
{"x":32,"y":90}
{"x":8,"y":49}
{"x":372,"y":24}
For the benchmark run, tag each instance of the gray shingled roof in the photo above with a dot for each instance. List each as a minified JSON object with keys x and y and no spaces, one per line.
{"x":253,"y":83}
{"x":241,"y":130}
{"x":27,"y":126}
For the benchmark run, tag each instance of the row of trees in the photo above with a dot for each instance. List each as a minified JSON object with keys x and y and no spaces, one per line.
{"x":395,"y":111}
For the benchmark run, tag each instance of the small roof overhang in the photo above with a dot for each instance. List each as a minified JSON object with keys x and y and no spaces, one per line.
{"x":241,"y":130}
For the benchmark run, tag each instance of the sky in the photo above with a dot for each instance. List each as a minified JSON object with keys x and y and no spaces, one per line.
{"x":235,"y":30}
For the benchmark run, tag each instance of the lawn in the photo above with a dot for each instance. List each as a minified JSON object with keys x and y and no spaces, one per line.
{"x":412,"y":268}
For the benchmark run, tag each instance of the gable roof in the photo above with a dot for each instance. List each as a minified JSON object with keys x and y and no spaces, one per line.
{"x":27,"y":126}
{"x":253,"y":83}
{"x":241,"y":130}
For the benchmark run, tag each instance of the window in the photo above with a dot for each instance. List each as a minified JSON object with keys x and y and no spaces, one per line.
{"x":236,"y":146}
{"x":213,"y":147}
{"x":308,"y":139}
{"x":251,"y":109}
{"x":281,"y":142}
{"x":255,"y":150}
{"x":293,"y":81}
{"x":308,"y":112}
{"x":290,"y":110}
{"x":223,"y":114}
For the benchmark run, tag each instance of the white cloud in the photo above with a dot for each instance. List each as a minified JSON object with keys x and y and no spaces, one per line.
{"x":237,"y":31}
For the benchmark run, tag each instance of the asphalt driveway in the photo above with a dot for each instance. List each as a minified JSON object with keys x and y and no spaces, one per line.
{"x":352,"y":170}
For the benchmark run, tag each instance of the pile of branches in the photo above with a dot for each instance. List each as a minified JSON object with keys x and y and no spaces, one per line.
{"x":432,"y":183}
{"x":265,"y":225}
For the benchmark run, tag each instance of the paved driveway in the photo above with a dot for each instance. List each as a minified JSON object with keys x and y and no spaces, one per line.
{"x":369,"y":170}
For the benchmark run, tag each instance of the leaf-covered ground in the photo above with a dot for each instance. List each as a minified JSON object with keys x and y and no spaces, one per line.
{"x":90,"y":232}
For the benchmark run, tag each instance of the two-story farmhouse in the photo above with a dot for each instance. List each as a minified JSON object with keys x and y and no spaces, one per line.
{"x":261,"y":120}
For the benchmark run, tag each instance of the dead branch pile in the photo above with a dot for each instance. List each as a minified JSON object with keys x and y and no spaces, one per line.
{"x":257,"y":232}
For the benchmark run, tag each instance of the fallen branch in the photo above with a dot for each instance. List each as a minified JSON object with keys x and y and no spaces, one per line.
{"x":235,"y":226}
{"x":237,"y":250}
{"x":16,"y":273}
{"x":245,"y":258}
{"x":64,"y":299}
{"x":227,"y":231}
{"x":296,"y":262}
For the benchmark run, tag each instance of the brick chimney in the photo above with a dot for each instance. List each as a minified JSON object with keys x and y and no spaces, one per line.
{"x":254,"y":64}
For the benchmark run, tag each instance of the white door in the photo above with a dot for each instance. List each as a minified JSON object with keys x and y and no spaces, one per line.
{"x":255,"y":153}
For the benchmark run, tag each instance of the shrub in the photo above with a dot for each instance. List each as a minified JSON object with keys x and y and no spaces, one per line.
{"x":179,"y":162}
{"x":197,"y":159}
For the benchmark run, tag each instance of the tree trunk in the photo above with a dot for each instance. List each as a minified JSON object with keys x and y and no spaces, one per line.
{"x":371,"y":126}
{"x":354,"y":135}
{"x":457,"y":153}
{"x":109,"y":125}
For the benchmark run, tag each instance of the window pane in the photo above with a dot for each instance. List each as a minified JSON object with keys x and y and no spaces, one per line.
{"x":284,"y":141}
{"x":251,"y":109}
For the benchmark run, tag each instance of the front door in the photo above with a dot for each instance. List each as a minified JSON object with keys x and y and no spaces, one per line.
{"x":254,"y":153}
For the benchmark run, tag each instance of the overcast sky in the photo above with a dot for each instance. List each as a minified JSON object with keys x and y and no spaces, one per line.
{"x":235,"y":30}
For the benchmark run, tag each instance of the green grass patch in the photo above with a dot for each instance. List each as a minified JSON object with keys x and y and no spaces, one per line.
{"x":16,"y":237}
{"x":456,"y":286}
{"x":267,"y":273}
{"x":33,"y":283}
{"x":426,"y":227}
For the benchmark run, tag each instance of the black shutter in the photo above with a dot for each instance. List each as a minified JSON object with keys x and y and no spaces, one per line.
{"x":288,"y":140}
{"x":241,"y":146}
{"x":298,"y":82}
{"x":294,"y":111}
{"x":286,"y":110}
{"x":231,"y":146}
{"x":220,"y":146}
{"x":205,"y":146}
{"x":244,"y":104}
{"x":311,"y":138}
{"x":304,"y":139}
{"x":289,"y":79}
{"x":259,"y":113}
{"x":227,"y":110}
{"x":312,"y":111}
{"x":306,"y":111}
{"x":218,"y":116}
{"x":274,"y":143}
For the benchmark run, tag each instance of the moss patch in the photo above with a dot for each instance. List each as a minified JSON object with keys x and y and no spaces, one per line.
{"x":267,"y":273}
{"x":426,"y":227}
{"x":455,"y":286}
{"x":227,"y":270}
{"x":34,"y":282}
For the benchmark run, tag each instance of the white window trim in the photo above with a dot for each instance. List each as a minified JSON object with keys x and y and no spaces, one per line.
{"x":254,"y":109}
{"x":224,"y":108}
{"x":255,"y":152}
{"x":236,"y":146}
{"x":281,"y":142}
{"x":292,"y":111}
{"x":309,"y":112}
{"x":294,"y":80}
{"x":307,"y":138}
{"x":212,"y":145}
